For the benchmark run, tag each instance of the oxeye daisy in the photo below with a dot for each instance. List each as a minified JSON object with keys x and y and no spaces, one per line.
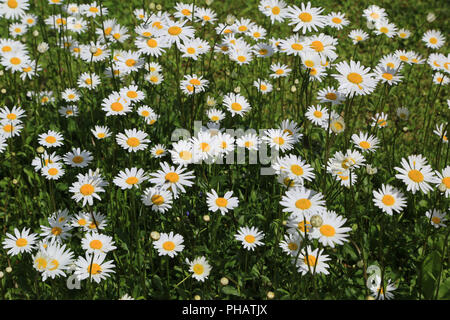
{"x":291,"y":127}
{"x":94,"y":267}
{"x":14,"y":60}
{"x":306,"y":18}
{"x":116,"y":104}
{"x":263,"y":86}
{"x":95,"y":242}
{"x":68,"y":111}
{"x":365,"y":142}
{"x":294,"y":45}
{"x":443,"y":181}
{"x":278,"y":139}
{"x":433,"y":39}
{"x":416,"y":174}
{"x":358,"y":35}
{"x":323,"y":45}
{"x":88,"y":80}
{"x":331,"y":232}
{"x":276,"y":10}
{"x":17,"y":29}
{"x":78,"y":158}
{"x":383,"y":26}
{"x":223,"y":204}
{"x":404,"y":56}
{"x":236,"y":104}
{"x":21,"y":241}
{"x":242,"y":55}
{"x":169,"y":244}
{"x":200,"y":268}
{"x":225,"y":143}
{"x":436,"y":218}
{"x":12,"y":114}
{"x":250,"y":237}
{"x":81,"y":219}
{"x":52,"y":171}
{"x":330,"y":94}
{"x":374,"y":13}
{"x":403,"y":33}
{"x":249,"y":141}
{"x":300,"y":224}
{"x":58,"y":231}
{"x":295,"y":168}
{"x":204,"y":146}
{"x":193,"y":84}
{"x":337,"y":20}
{"x":13,"y":9}
{"x":312,"y":261}
{"x":387,"y":75}
{"x":93,"y":10}
{"x":177,"y":31}
{"x":379,"y":120}
{"x":215,"y":115}
{"x":184,"y":10}
{"x":440,"y":79}
{"x":101,"y":132}
{"x":317,"y":115}
{"x":154,"y":78}
{"x":263,"y":50}
{"x":243,"y":25}
{"x":151,"y":46}
{"x":174,"y":178}
{"x":349,"y":160}
{"x":182,"y":152}
{"x":51,"y":139}
{"x":380,"y":291}
{"x":158,"y":151}
{"x":132,"y":140}
{"x":87,"y":187}
{"x":59,"y":259}
{"x":159,"y":199}
{"x":96,"y":221}
{"x":279,"y":70}
{"x":301,"y":200}
{"x":389,"y":199}
{"x":132,"y":93}
{"x":286,"y":182}
{"x":354,"y":78}
{"x":129,"y":61}
{"x":205,"y":15}
{"x":291,"y":243}
{"x":403,"y":113}
{"x":130,"y":178}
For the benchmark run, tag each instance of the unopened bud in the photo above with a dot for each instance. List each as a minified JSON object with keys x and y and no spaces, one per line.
{"x":155,"y":235}
{"x":270,"y":295}
{"x":206,"y":218}
{"x":431,"y":17}
{"x":224,"y":281}
{"x":197,"y":297}
{"x":40,"y":149}
{"x":230,"y":19}
{"x":35,"y":33}
{"x":8,"y":269}
{"x":237,"y":89}
{"x":152,"y":6}
{"x":442,"y":187}
{"x":42,"y":47}
{"x":158,"y":7}
{"x":316,"y":221}
{"x":93,"y":49}
{"x":293,"y":89}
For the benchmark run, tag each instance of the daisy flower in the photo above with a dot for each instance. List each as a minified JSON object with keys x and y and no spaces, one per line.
{"x":93,"y":267}
{"x":403,"y":33}
{"x":337,"y":20}
{"x":291,"y":244}
{"x":276,"y":10}
{"x":51,"y":139}
{"x":200,"y":268}
{"x":68,"y":111}
{"x":358,"y":35}
{"x":215,"y":115}
{"x":331,"y":232}
{"x":294,"y":45}
{"x":132,"y":93}
{"x":132,"y":140}
{"x":279,"y":70}
{"x":330,"y":94}
{"x":80,"y":220}
{"x":306,"y":18}
{"x":58,"y":260}
{"x":13,"y":9}
{"x":159,"y":199}
{"x":323,"y":45}
{"x":381,"y":292}
{"x":184,"y":10}
{"x":374,"y":13}
{"x":416,"y":174}
{"x":380,"y":120}
{"x":96,"y":221}
{"x":403,"y":113}
{"x":95,"y":242}
{"x":389,"y":199}
{"x":263,"y":86}
{"x":88,"y":81}
{"x":87,"y":187}
{"x":204,"y":146}
{"x":436,"y":218}
{"x":301,"y":200}
{"x":177,"y":32}
{"x":365,"y":142}
{"x":312,"y":261}
{"x":174,"y":178}
{"x":225,"y":203}
{"x":317,"y":115}
{"x":205,"y":15}
{"x":433,"y":39}
{"x":154,"y":78}
{"x":58,"y":231}
{"x":440,"y":79}
{"x":249,"y":141}
{"x":151,"y":46}
{"x":300,"y":224}
{"x":388,"y":75}
{"x":354,"y":78}
{"x":101,"y":132}
{"x":77,"y":158}
{"x":291,"y":127}
{"x":193,"y":84}
{"x":182,"y":152}
{"x":21,"y":241}
{"x":236,"y":104}
{"x":405,"y":56}
{"x":52,"y":171}
{"x":444,"y":180}
{"x":12,"y":114}
{"x":70,"y":95}
{"x":383,"y":26}
{"x":158,"y":151}
{"x":169,"y":244}
{"x":278,"y":139}
{"x":130,"y":178}
{"x":116,"y":104}
{"x":250,"y":237}
{"x":14,"y":60}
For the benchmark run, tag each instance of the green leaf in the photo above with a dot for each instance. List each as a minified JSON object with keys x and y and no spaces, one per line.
{"x":230,"y":290}
{"x":430,"y":272}
{"x":444,"y":290}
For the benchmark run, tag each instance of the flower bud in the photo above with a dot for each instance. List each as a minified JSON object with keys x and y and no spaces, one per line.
{"x":224,"y":281}
{"x":42,"y":47}
{"x":206,"y":218}
{"x":158,"y":7}
{"x":442,"y":187}
{"x":316,"y":221}
{"x":8,"y":269}
{"x":93,"y":49}
{"x":197,"y":297}
{"x":40,"y":149}
{"x":35,"y":33}
{"x":431,"y":17}
{"x":270,"y":295}
{"x":230,"y":19}
{"x":155,"y":235}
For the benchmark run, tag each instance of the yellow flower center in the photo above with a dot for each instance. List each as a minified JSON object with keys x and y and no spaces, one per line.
{"x":53,"y":171}
{"x":195,"y":82}
{"x":327,"y":230}
{"x":303,"y":204}
{"x":446,"y":181}
{"x":388,"y":200}
{"x":186,"y":12}
{"x":56,"y":231}
{"x":276,"y":10}
{"x":172,"y":177}
{"x":249,"y":238}
{"x":221,"y":202}
{"x":132,"y":180}
{"x":117,"y":106}
{"x":87,"y":189}
{"x":158,"y":199}
{"x":130,"y":62}
{"x":15,"y":60}
{"x":50,"y":139}
{"x":242,"y":28}
{"x":21,"y":242}
{"x":174,"y":31}
{"x":96,"y":244}
{"x":310,"y":260}
{"x":77,"y":159}
{"x":236,"y":106}
{"x":415,"y":175}
{"x":168,"y":245}
{"x":364,"y":144}
{"x":41,"y":263}
{"x":433,"y":40}
{"x":436,"y":220}
{"x":205,"y":146}
{"x":297,"y":46}
{"x":297,"y":170}
{"x":12,"y":4}
{"x":336,"y":20}
{"x":190,"y":50}
{"x":354,"y":77}
{"x":133,"y":142}
{"x":292,"y":246}
{"x":318,"y":114}
{"x":152,"y":43}
{"x":317,"y":45}
{"x":132,"y":94}
{"x":198,"y":269}
{"x":94,"y":269}
{"x":185,"y":155}
{"x":384,"y":30}
{"x":278,"y":140}
{"x":387,"y":76}
{"x":305,"y":17}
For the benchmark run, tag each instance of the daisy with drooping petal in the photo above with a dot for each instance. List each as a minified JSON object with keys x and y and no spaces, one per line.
{"x":225,"y":203}
{"x":436,"y":218}
{"x":433,"y":39}
{"x":101,"y":132}
{"x":200,"y":268}
{"x":291,"y":127}
{"x":331,"y":232}
{"x":306,"y":18}
{"x":159,"y":199}
{"x":383,"y":26}
{"x":387,"y":75}
{"x":330,"y":94}
{"x":263,"y":86}
{"x":381,"y":292}
{"x":236,"y":104}
{"x":130,"y":178}
{"x":93,"y":267}
{"x":59,"y":259}
{"x":87,"y":186}
{"x":358,"y":35}
{"x":58,"y":231}
{"x":193,"y":84}
{"x":96,"y":221}
{"x":250,"y":237}
{"x":116,"y":104}
{"x":88,"y":80}
{"x":21,"y":241}
{"x":132,"y":140}
{"x":95,"y":242}
{"x":379,"y":120}
{"x":51,"y":139}
{"x":169,"y":244}
{"x":68,"y":111}
{"x":441,"y":132}
{"x":354,"y":78}
{"x":389,"y":199}
{"x":312,"y":261}
{"x":174,"y":178}
{"x":365,"y":142}
{"x":416,"y":174}
{"x":81,"y":219}
{"x":302,"y":201}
